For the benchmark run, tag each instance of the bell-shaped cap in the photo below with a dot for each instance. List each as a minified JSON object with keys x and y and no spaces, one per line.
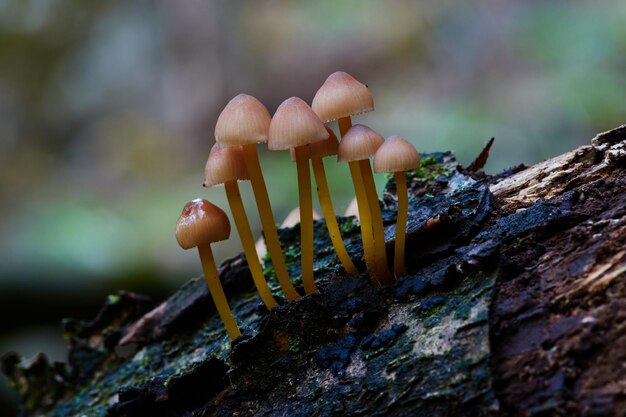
{"x":294,"y":124}
{"x":359,"y":142}
{"x":224,"y":164}
{"x":342,"y":96}
{"x":293,"y":218}
{"x":201,"y":223}
{"x":323,"y":148}
{"x":396,"y":155}
{"x":244,"y":121}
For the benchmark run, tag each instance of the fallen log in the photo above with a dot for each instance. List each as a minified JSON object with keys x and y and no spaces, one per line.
{"x":514,"y":303}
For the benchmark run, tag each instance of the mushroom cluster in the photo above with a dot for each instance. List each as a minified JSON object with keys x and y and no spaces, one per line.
{"x":243,"y":124}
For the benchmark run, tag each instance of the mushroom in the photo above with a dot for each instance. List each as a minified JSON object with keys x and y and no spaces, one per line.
{"x":200,"y":224}
{"x":295,"y":126}
{"x":318,"y":151}
{"x":358,"y":145}
{"x":352,"y":209}
{"x":396,"y":156}
{"x":226,"y":166}
{"x":245,"y":122}
{"x":339,"y":98}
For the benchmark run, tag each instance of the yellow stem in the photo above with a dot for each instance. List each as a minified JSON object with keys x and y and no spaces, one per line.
{"x":378,"y":231}
{"x":345,"y":123}
{"x":329,"y":214}
{"x":306,"y":220}
{"x":251,"y":158}
{"x":403,"y":212}
{"x":212,"y":279}
{"x":365,"y":219}
{"x":247,"y":241}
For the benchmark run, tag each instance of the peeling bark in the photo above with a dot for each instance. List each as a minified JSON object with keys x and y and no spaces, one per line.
{"x":514,"y":303}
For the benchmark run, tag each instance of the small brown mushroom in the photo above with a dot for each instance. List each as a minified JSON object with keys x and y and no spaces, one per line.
{"x":200,"y":224}
{"x":396,"y":156}
{"x":358,"y":145}
{"x":295,"y":126}
{"x":245,"y":122}
{"x":226,"y":166}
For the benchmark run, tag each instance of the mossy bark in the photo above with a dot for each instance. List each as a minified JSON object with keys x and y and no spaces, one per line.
{"x":513,"y":304}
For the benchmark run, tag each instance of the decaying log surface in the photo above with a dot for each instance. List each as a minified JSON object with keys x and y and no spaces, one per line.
{"x":513,"y":304}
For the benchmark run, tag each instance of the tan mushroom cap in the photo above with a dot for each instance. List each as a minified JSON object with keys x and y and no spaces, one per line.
{"x":244,"y":121}
{"x":360,"y":142}
{"x":223,"y":165}
{"x":201,"y":223}
{"x":323,"y":148}
{"x":295,"y":124}
{"x":396,"y":155}
{"x":342,"y":96}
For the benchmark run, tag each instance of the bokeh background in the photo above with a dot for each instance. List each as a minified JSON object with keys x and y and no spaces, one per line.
{"x":107,"y":111}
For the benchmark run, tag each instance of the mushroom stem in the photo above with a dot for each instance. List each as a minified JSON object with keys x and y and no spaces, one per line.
{"x":345,"y":123}
{"x":306,"y":219}
{"x":403,"y":209}
{"x":217,"y":293}
{"x":247,"y":241}
{"x":251,"y":158}
{"x":378,"y":231}
{"x":329,"y":215}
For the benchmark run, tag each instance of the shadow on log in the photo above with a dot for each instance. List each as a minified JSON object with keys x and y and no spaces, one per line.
{"x":514,"y":303}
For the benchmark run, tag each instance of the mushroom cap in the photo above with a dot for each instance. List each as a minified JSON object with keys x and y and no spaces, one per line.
{"x":359,"y":142}
{"x":295,"y":124}
{"x":293,"y":218}
{"x":323,"y":148}
{"x":342,"y":96}
{"x":224,"y":164}
{"x":353,"y":209}
{"x":244,"y":121}
{"x":201,"y":223}
{"x":395,"y":155}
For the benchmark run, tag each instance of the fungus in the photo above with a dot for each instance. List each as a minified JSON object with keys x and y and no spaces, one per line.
{"x":352,"y":209}
{"x":295,"y":126}
{"x":396,"y":156}
{"x":318,"y":151}
{"x":200,"y":224}
{"x":293,"y":218}
{"x":245,"y":122}
{"x":226,"y":166}
{"x":358,"y":145}
{"x":339,"y":98}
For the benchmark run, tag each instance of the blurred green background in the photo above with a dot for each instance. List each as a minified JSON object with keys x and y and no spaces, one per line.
{"x":107,"y":112}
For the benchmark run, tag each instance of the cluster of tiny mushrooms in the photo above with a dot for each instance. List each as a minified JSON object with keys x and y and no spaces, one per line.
{"x":243,"y":124}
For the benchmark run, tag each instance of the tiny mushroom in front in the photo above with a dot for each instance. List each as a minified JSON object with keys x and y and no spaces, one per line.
{"x":295,"y":126}
{"x":245,"y":122}
{"x":396,"y":156}
{"x":226,"y":166}
{"x":200,"y":224}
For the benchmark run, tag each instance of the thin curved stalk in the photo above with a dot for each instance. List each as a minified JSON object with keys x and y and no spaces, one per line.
{"x":251,"y":158}
{"x":329,"y":215}
{"x":212,"y":279}
{"x":378,"y":231}
{"x":247,"y":242}
{"x":403,"y":213}
{"x":306,"y":220}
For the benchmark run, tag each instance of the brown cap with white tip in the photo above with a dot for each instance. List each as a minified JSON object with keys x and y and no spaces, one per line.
{"x":342,"y":96}
{"x":201,"y":223}
{"x":396,"y":155}
{"x":294,"y":124}
{"x":224,"y":164}
{"x":360,"y":142}
{"x":244,"y":121}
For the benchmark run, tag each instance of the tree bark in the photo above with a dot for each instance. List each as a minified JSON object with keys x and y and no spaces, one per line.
{"x":514,"y":303}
